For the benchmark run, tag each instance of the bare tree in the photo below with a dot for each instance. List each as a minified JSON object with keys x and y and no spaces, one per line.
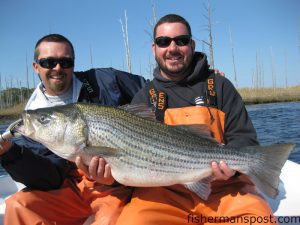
{"x":253,"y":78}
{"x":210,"y":36}
{"x":299,"y":40}
{"x":126,"y":42}
{"x":33,"y":79}
{"x":27,"y":76}
{"x":285,"y":63}
{"x":233,"y":61}
{"x":21,"y":96}
{"x":152,"y":22}
{"x":256,"y":70}
{"x":154,"y":17}
{"x":1,"y":99}
{"x":262,"y":74}
{"x":273,"y":69}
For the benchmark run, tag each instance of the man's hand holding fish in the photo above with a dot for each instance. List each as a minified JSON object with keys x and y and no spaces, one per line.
{"x":97,"y":170}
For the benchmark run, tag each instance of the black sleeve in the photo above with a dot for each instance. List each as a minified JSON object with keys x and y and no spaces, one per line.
{"x":129,"y":85}
{"x":239,"y":130}
{"x":142,"y":97}
{"x":34,"y":165}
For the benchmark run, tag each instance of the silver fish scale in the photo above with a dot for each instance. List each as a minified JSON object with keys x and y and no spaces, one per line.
{"x":145,"y":153}
{"x":149,"y":145}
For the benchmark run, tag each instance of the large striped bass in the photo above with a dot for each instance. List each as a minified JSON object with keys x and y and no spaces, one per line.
{"x":143,"y":152}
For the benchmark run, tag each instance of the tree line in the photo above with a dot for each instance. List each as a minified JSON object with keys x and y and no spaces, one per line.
{"x":13,"y":96}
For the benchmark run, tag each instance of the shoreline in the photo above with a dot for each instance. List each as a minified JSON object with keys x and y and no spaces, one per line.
{"x":11,"y":114}
{"x":270,"y":95}
{"x":9,"y":118}
{"x":250,"y":96}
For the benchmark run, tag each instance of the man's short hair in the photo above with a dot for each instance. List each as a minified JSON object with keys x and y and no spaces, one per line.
{"x":172,"y":18}
{"x":52,"y":38}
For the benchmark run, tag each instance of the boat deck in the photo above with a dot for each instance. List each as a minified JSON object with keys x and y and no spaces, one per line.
{"x":285,"y":205}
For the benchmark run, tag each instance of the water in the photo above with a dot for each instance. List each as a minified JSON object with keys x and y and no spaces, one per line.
{"x":274,"y":123}
{"x":278,"y":123}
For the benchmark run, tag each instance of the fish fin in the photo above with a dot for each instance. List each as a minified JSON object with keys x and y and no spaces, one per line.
{"x":101,"y":151}
{"x":202,"y":188}
{"x":140,"y":110}
{"x":265,"y":172}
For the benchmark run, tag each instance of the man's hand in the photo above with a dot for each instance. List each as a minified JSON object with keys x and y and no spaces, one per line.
{"x":4,"y":146}
{"x":222,"y":171}
{"x":216,"y":71}
{"x":98,"y":170}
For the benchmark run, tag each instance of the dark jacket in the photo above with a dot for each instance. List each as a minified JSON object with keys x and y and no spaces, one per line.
{"x":34,"y":165}
{"x":239,"y":130}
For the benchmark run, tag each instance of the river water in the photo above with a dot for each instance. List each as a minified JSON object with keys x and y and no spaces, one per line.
{"x":274,"y":123}
{"x":278,"y":123}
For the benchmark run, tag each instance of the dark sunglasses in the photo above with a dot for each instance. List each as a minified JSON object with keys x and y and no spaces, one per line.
{"x":50,"y":63}
{"x":165,"y":41}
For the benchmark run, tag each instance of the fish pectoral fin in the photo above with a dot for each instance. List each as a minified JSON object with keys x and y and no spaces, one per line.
{"x":202,"y":188}
{"x":101,"y":151}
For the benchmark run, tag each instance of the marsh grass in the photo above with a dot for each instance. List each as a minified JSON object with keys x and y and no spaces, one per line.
{"x":249,"y":95}
{"x":11,"y":113}
{"x":269,"y":95}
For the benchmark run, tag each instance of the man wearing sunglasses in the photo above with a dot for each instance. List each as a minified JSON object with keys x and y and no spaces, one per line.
{"x":185,"y":91}
{"x":59,"y":193}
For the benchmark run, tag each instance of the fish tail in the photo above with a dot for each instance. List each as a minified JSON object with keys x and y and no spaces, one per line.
{"x":265,"y":170}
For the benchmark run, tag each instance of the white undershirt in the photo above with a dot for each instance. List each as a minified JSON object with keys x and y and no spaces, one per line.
{"x":39,"y":99}
{"x":63,"y":99}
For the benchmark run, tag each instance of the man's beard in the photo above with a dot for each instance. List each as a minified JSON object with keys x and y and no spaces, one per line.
{"x":177,"y":71}
{"x":58,"y":87}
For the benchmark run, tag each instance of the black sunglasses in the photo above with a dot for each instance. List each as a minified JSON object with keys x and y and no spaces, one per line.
{"x":165,"y":41}
{"x":50,"y":63}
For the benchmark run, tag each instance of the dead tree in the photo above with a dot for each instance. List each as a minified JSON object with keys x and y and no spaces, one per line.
{"x":262,"y":74}
{"x":233,"y":61}
{"x":210,"y":36}
{"x":27,"y":76}
{"x":154,"y":17}
{"x":258,"y":70}
{"x":21,"y":95}
{"x":253,"y":78}
{"x":286,"y":77}
{"x":299,"y":39}
{"x":1,"y":99}
{"x":151,"y":22}
{"x":273,"y":69}
{"x":126,"y":42}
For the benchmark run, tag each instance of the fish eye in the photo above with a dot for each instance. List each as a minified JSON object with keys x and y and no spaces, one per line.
{"x":44,"y":119}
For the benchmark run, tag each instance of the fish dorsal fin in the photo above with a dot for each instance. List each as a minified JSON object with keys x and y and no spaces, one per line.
{"x":140,"y":110}
{"x":201,"y":130}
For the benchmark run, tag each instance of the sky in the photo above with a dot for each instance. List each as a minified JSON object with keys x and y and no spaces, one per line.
{"x":263,"y":32}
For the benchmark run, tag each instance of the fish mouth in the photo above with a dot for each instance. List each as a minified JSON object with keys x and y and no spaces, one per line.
{"x":22,"y":126}
{"x":16,"y":127}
